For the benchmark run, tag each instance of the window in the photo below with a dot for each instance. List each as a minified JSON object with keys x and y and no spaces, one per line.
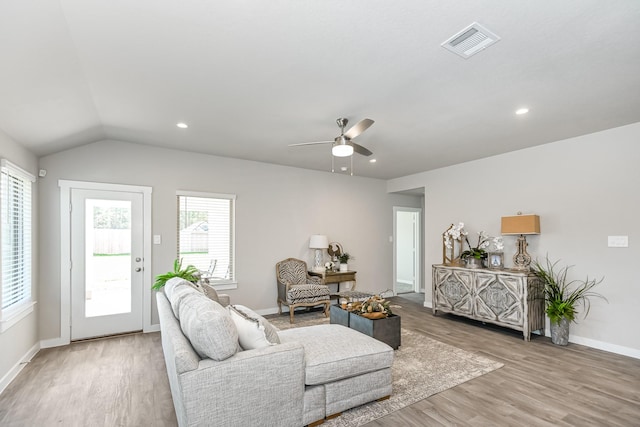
{"x":15,"y":229}
{"x":206,"y":234}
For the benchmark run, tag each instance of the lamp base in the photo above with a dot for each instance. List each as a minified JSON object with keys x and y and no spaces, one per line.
{"x":522,"y":260}
{"x":318,"y":261}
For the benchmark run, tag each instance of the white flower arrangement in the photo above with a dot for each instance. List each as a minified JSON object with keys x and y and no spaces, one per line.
{"x":457,"y":232}
{"x":454,"y":233}
{"x":329,"y":265}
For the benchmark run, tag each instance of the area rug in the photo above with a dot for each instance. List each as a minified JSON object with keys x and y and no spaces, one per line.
{"x":422,"y":367}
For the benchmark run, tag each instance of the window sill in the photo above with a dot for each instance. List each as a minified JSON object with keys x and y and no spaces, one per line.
{"x":14,"y":315}
{"x":223,"y":286}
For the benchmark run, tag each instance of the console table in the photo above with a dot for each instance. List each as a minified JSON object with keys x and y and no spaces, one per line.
{"x":509,"y":298}
{"x":335,"y":277}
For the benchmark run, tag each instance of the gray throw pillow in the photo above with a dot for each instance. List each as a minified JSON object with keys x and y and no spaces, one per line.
{"x":208,"y":326}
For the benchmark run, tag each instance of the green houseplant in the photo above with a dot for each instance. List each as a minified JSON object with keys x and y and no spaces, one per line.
{"x":344,"y":259}
{"x":563,"y":297}
{"x":190,"y":273}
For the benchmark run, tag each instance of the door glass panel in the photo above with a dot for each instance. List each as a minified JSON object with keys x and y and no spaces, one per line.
{"x":108,"y":257}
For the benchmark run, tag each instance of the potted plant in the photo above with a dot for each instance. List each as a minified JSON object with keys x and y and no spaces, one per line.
{"x":563,"y":297}
{"x":189,"y":273}
{"x":475,"y":257}
{"x":344,"y":260}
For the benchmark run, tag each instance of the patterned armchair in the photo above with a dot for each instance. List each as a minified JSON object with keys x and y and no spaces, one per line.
{"x":297,"y":289}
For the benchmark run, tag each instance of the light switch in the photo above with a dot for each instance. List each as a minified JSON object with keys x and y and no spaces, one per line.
{"x":618,"y":241}
{"x":157,"y":239}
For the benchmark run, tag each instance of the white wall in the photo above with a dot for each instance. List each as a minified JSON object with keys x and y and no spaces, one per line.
{"x":584,"y":189}
{"x":277,"y":209}
{"x":19,"y":340}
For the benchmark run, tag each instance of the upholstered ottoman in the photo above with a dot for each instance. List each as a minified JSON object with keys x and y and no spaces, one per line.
{"x":353,"y":368}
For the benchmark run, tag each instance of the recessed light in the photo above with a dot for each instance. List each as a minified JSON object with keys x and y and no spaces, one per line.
{"x":522,"y":111}
{"x":372,"y":161}
{"x":182,"y":125}
{"x":344,"y":168}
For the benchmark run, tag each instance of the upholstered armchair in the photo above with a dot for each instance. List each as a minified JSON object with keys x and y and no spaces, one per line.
{"x":296,"y":288}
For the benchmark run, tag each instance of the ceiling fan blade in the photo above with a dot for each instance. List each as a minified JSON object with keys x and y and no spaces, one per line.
{"x":358,"y":128}
{"x":360,"y":149}
{"x":309,"y":143}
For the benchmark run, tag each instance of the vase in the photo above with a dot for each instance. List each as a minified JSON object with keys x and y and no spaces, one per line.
{"x":344,"y":266}
{"x":560,"y":332}
{"x":471,"y":262}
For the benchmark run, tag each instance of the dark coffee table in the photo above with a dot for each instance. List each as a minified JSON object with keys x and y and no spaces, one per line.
{"x":386,"y":330}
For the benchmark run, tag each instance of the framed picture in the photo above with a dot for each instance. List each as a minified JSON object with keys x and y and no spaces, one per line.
{"x":496,"y":260}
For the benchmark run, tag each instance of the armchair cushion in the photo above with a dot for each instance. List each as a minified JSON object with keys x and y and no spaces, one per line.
{"x":307,"y":293}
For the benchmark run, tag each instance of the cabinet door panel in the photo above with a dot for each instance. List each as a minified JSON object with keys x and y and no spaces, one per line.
{"x":454,"y":291}
{"x":499,"y":298}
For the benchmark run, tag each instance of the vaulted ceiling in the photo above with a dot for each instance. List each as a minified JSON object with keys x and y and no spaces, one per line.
{"x":251,"y":77}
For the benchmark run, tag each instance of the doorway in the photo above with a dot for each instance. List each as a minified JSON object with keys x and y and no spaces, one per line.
{"x":406,"y":249}
{"x":106,"y":233}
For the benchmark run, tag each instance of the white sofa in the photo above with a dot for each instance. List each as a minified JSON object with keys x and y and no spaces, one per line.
{"x":313,"y":372}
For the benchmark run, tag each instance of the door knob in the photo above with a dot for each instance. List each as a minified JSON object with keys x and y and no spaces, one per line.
{"x":138,"y":259}
{"x":138,"y":269}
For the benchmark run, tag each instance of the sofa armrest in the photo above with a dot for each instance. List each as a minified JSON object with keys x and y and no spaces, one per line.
{"x":255,"y":387}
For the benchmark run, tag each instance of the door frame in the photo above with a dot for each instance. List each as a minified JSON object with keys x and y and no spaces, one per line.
{"x":418,"y":249}
{"x":65,"y":249}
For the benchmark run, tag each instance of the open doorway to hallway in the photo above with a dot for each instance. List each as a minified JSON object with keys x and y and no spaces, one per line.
{"x":406,"y":249}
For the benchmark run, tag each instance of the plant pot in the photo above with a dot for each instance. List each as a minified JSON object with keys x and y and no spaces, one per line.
{"x":344,"y":266}
{"x":471,"y":262}
{"x":560,"y":332}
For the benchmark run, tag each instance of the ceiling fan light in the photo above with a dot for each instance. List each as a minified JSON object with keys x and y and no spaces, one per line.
{"x":342,"y":150}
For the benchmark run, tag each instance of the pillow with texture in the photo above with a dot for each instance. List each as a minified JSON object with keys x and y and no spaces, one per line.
{"x":208,"y":326}
{"x":254,"y":331}
{"x":179,"y":292}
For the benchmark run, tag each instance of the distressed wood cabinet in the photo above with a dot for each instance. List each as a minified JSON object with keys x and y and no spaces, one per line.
{"x":508,"y":298}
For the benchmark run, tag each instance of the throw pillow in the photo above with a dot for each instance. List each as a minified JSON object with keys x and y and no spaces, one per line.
{"x":210,"y":292}
{"x":208,"y":326}
{"x":178,"y":293}
{"x":254,"y":331}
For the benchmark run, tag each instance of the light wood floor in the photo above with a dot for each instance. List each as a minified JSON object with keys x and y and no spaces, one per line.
{"x":122,"y":382}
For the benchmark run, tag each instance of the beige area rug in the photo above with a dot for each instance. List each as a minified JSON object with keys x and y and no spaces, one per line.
{"x":422,"y":367}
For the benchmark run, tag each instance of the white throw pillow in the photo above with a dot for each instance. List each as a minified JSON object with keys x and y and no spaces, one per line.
{"x":254,"y":331}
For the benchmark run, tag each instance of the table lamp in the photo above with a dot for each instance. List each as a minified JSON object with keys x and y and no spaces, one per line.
{"x":318,"y":242}
{"x":521,"y":225}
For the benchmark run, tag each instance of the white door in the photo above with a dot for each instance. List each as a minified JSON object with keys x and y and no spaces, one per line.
{"x":106,"y":262}
{"x":407,"y":250}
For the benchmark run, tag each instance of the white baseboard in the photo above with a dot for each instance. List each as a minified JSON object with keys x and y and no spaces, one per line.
{"x":600,"y":345}
{"x":152,"y":328}
{"x":15,"y":370}
{"x":53,"y":342}
{"x":427,"y":304}
{"x":405,"y":282}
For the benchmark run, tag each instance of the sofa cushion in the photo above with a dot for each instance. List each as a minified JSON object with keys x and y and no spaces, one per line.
{"x":210,"y":292}
{"x":334,"y":352}
{"x":254,"y":331}
{"x":208,"y":326}
{"x":307,"y":293}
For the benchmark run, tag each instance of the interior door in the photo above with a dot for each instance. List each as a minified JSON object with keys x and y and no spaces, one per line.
{"x":106,"y":262}
{"x":407,"y":240}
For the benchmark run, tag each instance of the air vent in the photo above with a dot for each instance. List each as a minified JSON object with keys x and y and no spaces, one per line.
{"x":470,"y":41}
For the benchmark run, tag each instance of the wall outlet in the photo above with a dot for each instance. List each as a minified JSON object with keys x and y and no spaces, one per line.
{"x":618,"y":241}
{"x":157,"y":239}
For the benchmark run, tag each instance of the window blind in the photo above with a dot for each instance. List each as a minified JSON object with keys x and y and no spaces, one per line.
{"x":206,"y":234}
{"x":15,"y":228}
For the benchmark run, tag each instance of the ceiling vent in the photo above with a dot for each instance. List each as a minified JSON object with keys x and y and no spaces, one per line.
{"x":470,"y":41}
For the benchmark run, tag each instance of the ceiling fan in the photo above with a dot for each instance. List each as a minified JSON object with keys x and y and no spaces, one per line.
{"x":343,"y":146}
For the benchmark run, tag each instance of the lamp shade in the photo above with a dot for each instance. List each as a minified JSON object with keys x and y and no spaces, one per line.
{"x":318,"y":241}
{"x":521,"y":224}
